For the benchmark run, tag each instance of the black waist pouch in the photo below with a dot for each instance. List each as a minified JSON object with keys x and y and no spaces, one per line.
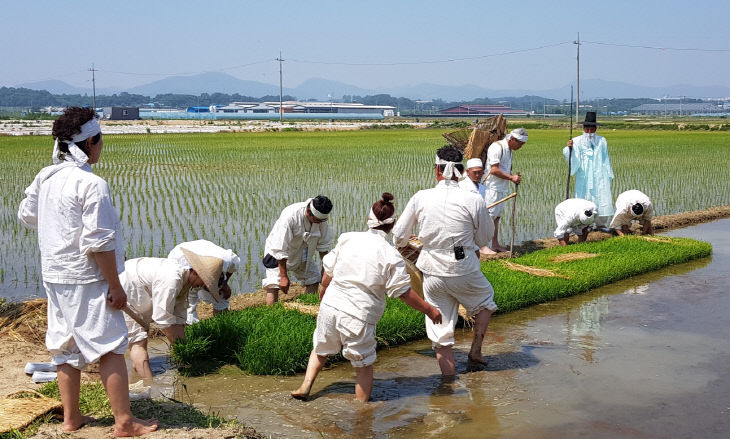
{"x":270,"y":261}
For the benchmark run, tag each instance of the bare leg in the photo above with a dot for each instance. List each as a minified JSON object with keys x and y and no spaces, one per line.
{"x":481,"y":322}
{"x":445,"y":357}
{"x":564,"y":240}
{"x":140,"y":359}
{"x":315,"y":365}
{"x":495,"y":240}
{"x":113,"y":373}
{"x":583,"y":235}
{"x":647,"y":229}
{"x":311,"y":289}
{"x":69,"y":385}
{"x":626,"y":230}
{"x":272,"y":296}
{"x":363,"y":383}
{"x":486,"y":251}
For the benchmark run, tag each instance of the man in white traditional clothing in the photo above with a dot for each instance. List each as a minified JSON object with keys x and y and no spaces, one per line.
{"x":591,"y":165}
{"x":300,"y":232}
{"x":451,"y":221}
{"x":231,"y":264}
{"x":574,"y":215}
{"x":633,"y":205}
{"x":82,"y":252}
{"x":474,"y":175}
{"x":499,"y":161}
{"x":158,"y":289}
{"x":361,"y":271}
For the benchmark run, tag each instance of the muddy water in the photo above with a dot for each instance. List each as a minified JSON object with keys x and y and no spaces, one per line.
{"x":646,"y":357}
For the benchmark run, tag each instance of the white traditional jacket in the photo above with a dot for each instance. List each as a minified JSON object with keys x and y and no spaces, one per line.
{"x":623,"y":215}
{"x":447,"y":217}
{"x":364,"y":268}
{"x":72,"y":210}
{"x":161,"y":283}
{"x":293,"y":237}
{"x":570,"y":216}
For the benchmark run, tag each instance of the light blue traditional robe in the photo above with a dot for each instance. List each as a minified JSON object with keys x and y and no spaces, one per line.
{"x":591,"y":166}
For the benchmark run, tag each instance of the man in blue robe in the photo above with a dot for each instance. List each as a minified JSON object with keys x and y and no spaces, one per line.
{"x":590,"y":163}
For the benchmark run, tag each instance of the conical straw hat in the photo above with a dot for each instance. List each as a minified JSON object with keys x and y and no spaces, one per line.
{"x":209,"y":269}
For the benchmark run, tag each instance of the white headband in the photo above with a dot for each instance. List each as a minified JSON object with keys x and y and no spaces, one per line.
{"x":474,"y":163}
{"x":89,"y":129}
{"x":317,"y":213}
{"x":374,"y":222}
{"x":449,"y":168}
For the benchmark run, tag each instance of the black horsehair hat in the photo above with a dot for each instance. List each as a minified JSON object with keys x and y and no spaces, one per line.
{"x":590,"y":120}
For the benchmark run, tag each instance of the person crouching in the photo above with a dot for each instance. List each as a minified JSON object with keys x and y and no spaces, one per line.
{"x":158,"y":288}
{"x":632,"y":206}
{"x":574,"y":215}
{"x":358,"y":275}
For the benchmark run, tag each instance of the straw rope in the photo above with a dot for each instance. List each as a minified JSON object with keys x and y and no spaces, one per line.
{"x":17,"y":411}
{"x":303,"y":308}
{"x":542,"y":272}
{"x":567,"y":257}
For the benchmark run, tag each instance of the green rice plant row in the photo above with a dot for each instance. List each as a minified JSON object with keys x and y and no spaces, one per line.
{"x":275,"y":340}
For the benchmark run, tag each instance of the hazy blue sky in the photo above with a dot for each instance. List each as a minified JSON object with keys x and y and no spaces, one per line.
{"x":135,"y":42}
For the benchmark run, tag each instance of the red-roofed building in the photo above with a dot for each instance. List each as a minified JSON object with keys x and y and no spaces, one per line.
{"x":472,"y":109}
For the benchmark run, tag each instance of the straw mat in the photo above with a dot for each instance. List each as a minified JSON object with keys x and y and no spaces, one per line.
{"x":18,"y":412}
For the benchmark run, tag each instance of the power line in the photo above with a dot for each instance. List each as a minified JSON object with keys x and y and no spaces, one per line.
{"x":637,"y":46}
{"x":447,"y":60}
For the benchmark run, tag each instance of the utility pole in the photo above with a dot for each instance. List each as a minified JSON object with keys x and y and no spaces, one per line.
{"x":577,"y":90}
{"x":93,"y":85}
{"x":281,"y":93}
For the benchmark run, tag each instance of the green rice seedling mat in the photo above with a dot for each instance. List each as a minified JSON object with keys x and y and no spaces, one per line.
{"x":278,"y":340}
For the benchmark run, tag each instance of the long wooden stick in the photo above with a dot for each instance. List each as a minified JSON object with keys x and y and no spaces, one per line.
{"x":502,"y":200}
{"x":570,"y":148}
{"x":512,"y":220}
{"x":131,"y":312}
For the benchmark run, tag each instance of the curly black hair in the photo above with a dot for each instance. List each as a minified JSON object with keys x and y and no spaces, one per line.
{"x":69,"y":124}
{"x":450,"y":154}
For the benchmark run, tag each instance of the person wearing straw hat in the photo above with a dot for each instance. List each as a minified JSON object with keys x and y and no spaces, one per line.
{"x":157,"y":289}
{"x":633,"y":205}
{"x":300,"y":232}
{"x":359,"y":273}
{"x":574,"y":215}
{"x":231,"y":264}
{"x":450,"y":222}
{"x":591,"y":165}
{"x":499,"y":161}
{"x":82,"y":252}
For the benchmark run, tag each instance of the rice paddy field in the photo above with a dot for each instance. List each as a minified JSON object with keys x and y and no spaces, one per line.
{"x":229,"y":188}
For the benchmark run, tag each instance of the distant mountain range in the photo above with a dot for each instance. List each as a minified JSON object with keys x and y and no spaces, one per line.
{"x":324,"y":89}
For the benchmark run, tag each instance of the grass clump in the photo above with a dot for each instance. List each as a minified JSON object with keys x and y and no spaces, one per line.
{"x":276,"y":340}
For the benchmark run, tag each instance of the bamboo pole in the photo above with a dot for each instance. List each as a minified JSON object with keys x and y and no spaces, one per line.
{"x":502,"y":200}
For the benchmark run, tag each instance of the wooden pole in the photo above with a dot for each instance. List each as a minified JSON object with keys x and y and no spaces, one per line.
{"x":570,"y":147}
{"x":512,"y":220}
{"x":502,"y":200}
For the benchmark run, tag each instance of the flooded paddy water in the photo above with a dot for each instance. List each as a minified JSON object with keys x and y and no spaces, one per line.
{"x":645,"y":357}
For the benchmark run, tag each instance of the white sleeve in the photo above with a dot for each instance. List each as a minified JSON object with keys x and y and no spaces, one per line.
{"x":399,"y":281}
{"x":404,"y":226}
{"x":494,"y":154}
{"x":327,"y":240}
{"x":330,"y":259}
{"x":279,"y":239}
{"x":483,"y":225}
{"x":28,"y":210}
{"x":169,"y":307}
{"x":99,"y":220}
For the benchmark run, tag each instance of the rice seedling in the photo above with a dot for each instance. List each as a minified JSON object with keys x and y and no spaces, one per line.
{"x":276,"y":340}
{"x":230,"y":187}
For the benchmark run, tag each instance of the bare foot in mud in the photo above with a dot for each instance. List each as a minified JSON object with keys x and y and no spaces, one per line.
{"x":500,"y":249}
{"x":477,"y":360}
{"x":487,"y":251}
{"x":135,"y":427}
{"x":300,"y":395}
{"x":74,"y":425}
